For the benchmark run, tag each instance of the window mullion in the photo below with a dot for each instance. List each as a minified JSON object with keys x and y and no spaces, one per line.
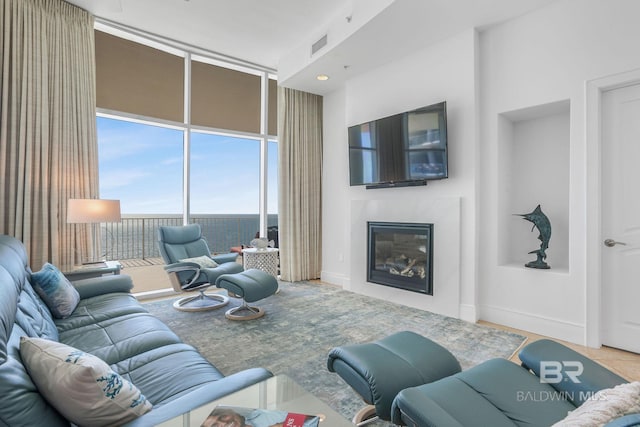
{"x":186,"y":199}
{"x":264,"y":147}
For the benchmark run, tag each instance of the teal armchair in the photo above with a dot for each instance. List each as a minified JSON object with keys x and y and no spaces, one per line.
{"x":192,"y":268}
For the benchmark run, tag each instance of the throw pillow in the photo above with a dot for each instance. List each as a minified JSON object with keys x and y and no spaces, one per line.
{"x":82,"y":387}
{"x":203,"y":261}
{"x":605,"y":406}
{"x":55,"y":290}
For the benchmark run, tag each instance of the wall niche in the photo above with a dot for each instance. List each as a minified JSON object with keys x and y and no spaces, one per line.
{"x":533,"y":168}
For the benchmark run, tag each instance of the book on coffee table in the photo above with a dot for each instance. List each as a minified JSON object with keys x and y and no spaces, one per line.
{"x":254,"y":417}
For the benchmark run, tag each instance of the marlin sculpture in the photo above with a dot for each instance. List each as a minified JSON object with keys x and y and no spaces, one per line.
{"x":542,"y":223}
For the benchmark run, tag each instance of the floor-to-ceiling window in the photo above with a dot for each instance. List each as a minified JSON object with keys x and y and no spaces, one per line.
{"x":141,"y":165}
{"x":183,"y":137}
{"x":225,"y":174}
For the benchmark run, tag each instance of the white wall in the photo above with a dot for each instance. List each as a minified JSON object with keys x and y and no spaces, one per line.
{"x":444,"y":72}
{"x":336,"y":204}
{"x":540,"y":59}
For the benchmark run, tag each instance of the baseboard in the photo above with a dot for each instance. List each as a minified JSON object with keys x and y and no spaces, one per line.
{"x":142,"y":296}
{"x":468,"y":312}
{"x":334,"y":278}
{"x":554,"y":328}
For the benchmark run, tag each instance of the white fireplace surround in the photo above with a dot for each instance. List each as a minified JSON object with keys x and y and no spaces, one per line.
{"x":444,"y":214}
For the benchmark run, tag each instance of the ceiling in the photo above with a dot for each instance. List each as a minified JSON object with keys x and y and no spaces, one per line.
{"x":266,"y":32}
{"x":258,"y":31}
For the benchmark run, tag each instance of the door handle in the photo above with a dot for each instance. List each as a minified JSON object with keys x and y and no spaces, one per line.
{"x":611,"y":243}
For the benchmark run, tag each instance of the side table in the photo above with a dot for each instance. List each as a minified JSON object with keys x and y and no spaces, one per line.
{"x":262,"y":259}
{"x":94,"y":270}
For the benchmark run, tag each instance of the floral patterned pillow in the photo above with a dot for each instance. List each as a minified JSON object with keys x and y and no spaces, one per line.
{"x":82,"y":387}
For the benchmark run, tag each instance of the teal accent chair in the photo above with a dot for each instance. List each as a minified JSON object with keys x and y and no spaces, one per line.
{"x":177,"y":243}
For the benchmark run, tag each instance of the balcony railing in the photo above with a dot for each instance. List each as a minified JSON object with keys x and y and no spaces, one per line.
{"x":136,"y":236}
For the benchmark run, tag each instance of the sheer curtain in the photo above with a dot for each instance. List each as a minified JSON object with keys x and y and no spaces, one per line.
{"x":48,"y":142}
{"x":300,"y":184}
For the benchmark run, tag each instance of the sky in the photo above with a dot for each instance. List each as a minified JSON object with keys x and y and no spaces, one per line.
{"x":142,"y":166}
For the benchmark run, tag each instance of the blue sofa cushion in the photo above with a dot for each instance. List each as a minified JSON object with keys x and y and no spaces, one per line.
{"x":34,"y":316}
{"x":22,"y":403}
{"x":55,"y":290}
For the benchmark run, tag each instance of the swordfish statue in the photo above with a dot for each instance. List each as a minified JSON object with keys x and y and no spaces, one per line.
{"x":542,"y":223}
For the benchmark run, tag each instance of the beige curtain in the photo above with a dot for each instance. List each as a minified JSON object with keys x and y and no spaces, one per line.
{"x":300,"y":184}
{"x":48,"y":142}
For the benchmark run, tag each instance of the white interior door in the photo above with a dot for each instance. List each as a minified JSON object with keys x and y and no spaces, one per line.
{"x":621,"y":218}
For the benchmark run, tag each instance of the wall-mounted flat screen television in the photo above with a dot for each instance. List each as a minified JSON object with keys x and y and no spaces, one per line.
{"x":404,"y":149}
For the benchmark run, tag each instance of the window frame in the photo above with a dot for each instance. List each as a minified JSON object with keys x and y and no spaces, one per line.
{"x":189,"y":54}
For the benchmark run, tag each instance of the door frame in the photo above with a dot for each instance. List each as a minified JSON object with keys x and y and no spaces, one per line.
{"x":593,"y":135}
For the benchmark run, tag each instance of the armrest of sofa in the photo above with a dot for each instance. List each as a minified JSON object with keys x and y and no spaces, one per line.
{"x":566,"y":370}
{"x":630,"y":420}
{"x":95,"y":286}
{"x":200,"y":396}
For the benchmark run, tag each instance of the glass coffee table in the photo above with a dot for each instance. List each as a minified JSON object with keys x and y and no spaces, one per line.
{"x":276,"y":393}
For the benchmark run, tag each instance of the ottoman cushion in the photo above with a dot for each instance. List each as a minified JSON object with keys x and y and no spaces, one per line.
{"x":252,"y":285}
{"x":380,"y":369}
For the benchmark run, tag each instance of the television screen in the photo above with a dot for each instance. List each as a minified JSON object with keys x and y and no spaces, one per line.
{"x":403,"y":148}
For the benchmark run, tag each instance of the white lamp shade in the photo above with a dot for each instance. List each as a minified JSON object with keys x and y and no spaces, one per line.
{"x":84,"y":211}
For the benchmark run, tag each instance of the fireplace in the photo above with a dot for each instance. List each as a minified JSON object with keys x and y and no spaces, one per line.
{"x":400,"y":255}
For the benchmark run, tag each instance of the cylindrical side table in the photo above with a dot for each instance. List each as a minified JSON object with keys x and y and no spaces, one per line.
{"x":262,"y":259}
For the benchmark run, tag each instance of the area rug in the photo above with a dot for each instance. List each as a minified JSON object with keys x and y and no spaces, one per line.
{"x":304,"y":321}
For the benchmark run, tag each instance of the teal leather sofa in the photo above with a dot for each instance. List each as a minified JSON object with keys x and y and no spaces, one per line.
{"x":110,"y":324}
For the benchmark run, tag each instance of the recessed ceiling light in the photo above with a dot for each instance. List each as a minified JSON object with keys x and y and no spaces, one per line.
{"x":322,"y":77}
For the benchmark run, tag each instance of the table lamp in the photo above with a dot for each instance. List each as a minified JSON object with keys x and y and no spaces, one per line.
{"x":93,"y":211}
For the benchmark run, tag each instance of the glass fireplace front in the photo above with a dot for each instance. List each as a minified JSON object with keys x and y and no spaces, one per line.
{"x":400,"y":255}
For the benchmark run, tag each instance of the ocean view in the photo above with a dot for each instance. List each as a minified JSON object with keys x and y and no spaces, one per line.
{"x":136,"y":236}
